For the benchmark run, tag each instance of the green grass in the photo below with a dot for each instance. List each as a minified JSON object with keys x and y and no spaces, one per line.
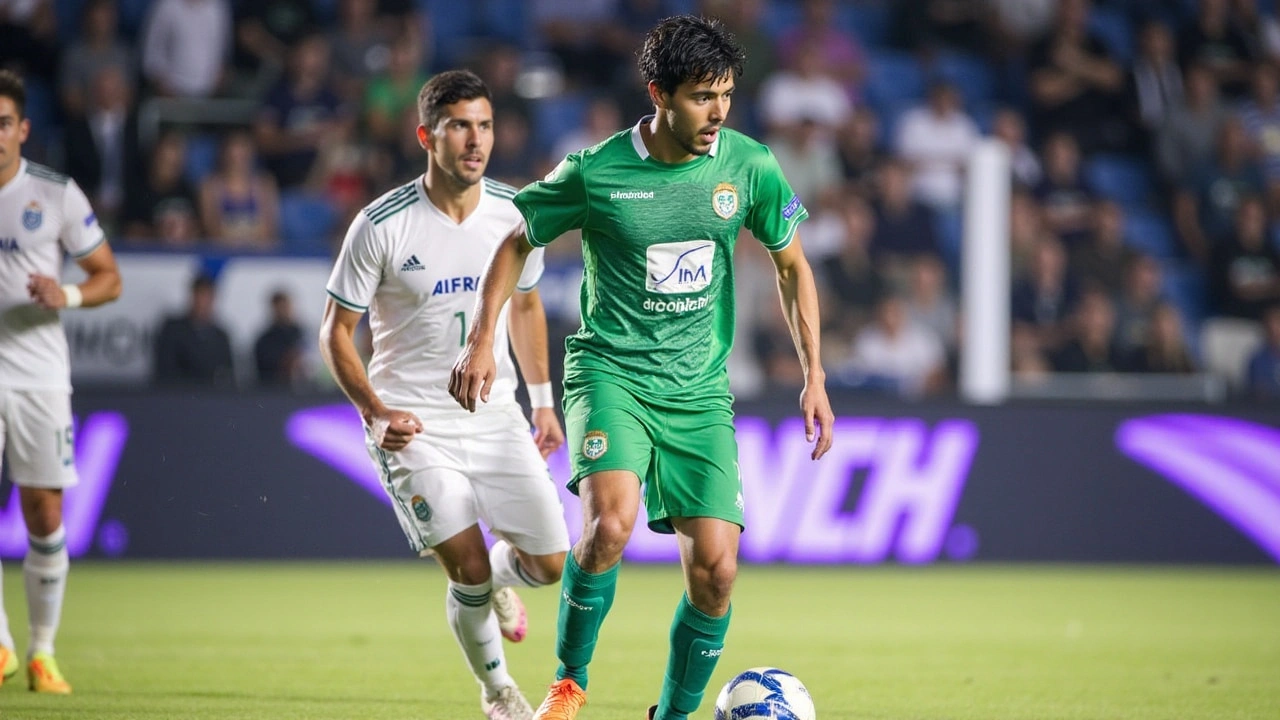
{"x":278,"y":641}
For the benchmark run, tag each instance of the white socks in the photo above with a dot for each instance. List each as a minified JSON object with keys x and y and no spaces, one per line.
{"x":45,"y":574}
{"x":505,"y":565}
{"x":476,"y":629}
{"x":6,"y":638}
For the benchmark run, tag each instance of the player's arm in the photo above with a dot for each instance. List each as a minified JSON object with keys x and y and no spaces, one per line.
{"x":799,"y":294}
{"x":393,"y":428}
{"x":527,"y":324}
{"x":475,"y":369}
{"x":100,"y":287}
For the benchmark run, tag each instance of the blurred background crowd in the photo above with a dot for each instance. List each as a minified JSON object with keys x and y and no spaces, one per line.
{"x":1144,"y":136}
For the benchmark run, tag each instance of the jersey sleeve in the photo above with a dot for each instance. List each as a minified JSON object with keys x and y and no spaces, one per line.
{"x":81,"y":234}
{"x":532,"y":273}
{"x":358,"y":270}
{"x":775,"y":210}
{"x":556,"y":204}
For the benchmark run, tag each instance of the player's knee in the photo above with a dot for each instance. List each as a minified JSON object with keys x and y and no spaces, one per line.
{"x":546,"y":569}
{"x":711,"y":584}
{"x":469,"y":570}
{"x":607,"y":534}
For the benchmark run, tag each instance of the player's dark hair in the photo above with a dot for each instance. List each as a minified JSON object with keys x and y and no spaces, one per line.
{"x":446,"y":89}
{"x":687,"y":48}
{"x":11,"y":87}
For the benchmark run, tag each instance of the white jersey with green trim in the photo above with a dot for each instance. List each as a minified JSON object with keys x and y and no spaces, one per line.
{"x":417,"y":273}
{"x":43,"y":214}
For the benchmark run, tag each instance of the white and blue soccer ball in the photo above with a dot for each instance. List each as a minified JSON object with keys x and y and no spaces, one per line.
{"x":765,"y":693}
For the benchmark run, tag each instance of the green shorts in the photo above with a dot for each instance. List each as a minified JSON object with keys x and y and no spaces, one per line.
{"x":687,"y":460}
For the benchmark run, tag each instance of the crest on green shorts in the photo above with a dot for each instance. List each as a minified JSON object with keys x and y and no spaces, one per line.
{"x":595,"y":444}
{"x":420,"y":508}
{"x":724,"y":199}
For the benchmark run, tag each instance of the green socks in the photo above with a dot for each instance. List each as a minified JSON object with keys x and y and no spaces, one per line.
{"x":697,"y":639}
{"x":584,"y":601}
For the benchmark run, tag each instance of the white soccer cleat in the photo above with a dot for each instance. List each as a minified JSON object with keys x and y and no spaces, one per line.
{"x":512,"y":619}
{"x":508,"y":704}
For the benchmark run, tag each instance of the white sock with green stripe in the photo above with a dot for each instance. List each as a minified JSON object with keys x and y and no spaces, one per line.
{"x":44,"y":572}
{"x":476,"y":629}
{"x":6,"y":638}
{"x":505,"y":565}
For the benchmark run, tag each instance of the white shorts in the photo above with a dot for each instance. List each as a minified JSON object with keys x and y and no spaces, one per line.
{"x":485,"y":468}
{"x":36,"y":437}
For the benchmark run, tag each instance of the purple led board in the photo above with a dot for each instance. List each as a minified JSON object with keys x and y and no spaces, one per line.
{"x":796,"y":510}
{"x":1230,"y":465}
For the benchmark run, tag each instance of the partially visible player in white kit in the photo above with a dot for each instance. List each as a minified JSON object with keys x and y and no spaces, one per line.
{"x":412,"y":259}
{"x":42,"y":216}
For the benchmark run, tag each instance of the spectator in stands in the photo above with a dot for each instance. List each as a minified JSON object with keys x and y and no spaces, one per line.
{"x":937,"y":138}
{"x":99,"y":46}
{"x":102,"y":144}
{"x":1245,"y":270}
{"x":1184,"y":143}
{"x":1205,"y":209}
{"x":161,"y":206}
{"x":500,"y":68}
{"x":278,"y":351}
{"x":898,"y":352}
{"x":1076,"y":87}
{"x":1217,"y":41}
{"x":1044,"y":299}
{"x":391,"y":94}
{"x":1155,"y":80}
{"x":1019,"y":23}
{"x":1263,"y":373}
{"x":1100,"y":261}
{"x":1141,"y":296}
{"x":264,"y":32}
{"x":1009,"y":128}
{"x":807,"y":156}
{"x":602,"y":118}
{"x":931,"y":26}
{"x":1091,"y":347}
{"x":858,"y":142}
{"x":239,"y":204}
{"x":301,"y":115}
{"x":583,"y":35}
{"x":803,"y":90}
{"x":904,"y":227}
{"x":29,"y":40}
{"x":361,"y":48}
{"x":1026,"y":227}
{"x":513,"y":160}
{"x":840,"y":55}
{"x":192,"y":348}
{"x":744,"y":18}
{"x":185,"y":45}
{"x":1260,"y":115}
{"x":1164,"y":349}
{"x":929,"y":302}
{"x":850,"y":278}
{"x":1063,"y":193}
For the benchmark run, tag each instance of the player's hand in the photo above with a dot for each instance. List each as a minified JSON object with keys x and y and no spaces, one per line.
{"x":473,"y":374}
{"x":818,"y":418}
{"x":46,"y":292}
{"x":393,"y":429}
{"x":547,"y":433}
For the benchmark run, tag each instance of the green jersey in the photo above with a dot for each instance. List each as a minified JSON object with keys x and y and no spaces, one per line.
{"x":657,"y":246}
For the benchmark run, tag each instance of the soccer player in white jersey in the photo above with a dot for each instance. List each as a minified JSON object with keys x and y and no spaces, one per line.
{"x":412,"y":259}
{"x":42,"y":215}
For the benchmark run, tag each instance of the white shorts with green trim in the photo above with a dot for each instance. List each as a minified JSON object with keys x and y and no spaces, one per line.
{"x":37,"y":438}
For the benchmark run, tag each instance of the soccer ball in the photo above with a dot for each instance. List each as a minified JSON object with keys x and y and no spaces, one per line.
{"x":765,"y":692}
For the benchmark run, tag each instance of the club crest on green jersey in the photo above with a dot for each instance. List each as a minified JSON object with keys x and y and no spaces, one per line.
{"x":595,"y":444}
{"x":724,"y":200}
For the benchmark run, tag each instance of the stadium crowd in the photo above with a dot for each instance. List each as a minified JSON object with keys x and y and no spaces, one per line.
{"x":1144,"y":135}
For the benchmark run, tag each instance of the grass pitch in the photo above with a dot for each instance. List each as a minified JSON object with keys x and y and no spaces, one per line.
{"x":352,"y":641}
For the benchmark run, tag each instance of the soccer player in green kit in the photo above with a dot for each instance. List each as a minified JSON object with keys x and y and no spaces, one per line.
{"x":646,"y":391}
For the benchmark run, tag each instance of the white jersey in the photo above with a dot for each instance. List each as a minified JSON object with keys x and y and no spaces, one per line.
{"x":42,"y":214}
{"x":417,"y":272}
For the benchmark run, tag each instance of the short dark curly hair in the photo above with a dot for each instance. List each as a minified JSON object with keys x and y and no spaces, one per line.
{"x":11,"y":86}
{"x":688,"y":48}
{"x":446,"y":89}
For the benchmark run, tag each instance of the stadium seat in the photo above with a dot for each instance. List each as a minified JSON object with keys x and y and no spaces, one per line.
{"x":201,"y":157}
{"x":1124,"y":180}
{"x":451,"y":29}
{"x":779,"y":17}
{"x":555,"y":117}
{"x":869,"y":21}
{"x":507,"y":19}
{"x":67,"y":14}
{"x":1150,"y":233}
{"x":306,"y":222}
{"x":1112,"y":27}
{"x":1184,"y":286}
{"x":971,"y":75}
{"x":1226,"y":345}
{"x":893,"y":78}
